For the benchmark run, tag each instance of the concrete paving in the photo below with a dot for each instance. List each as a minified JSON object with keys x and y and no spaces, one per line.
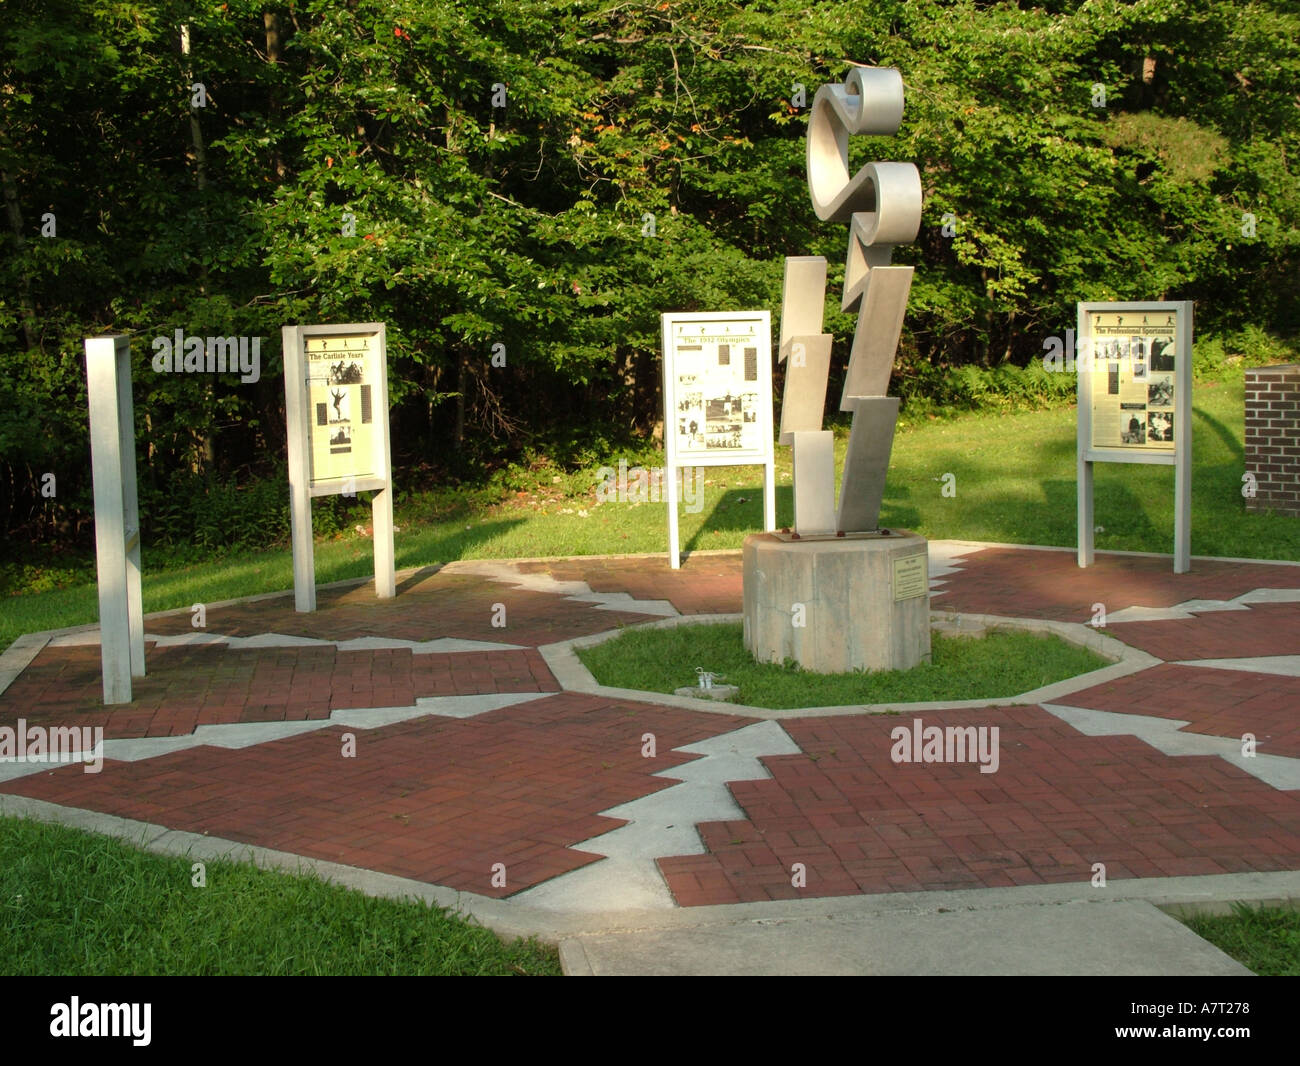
{"x":442,"y":645}
{"x":1128,"y":938}
{"x":663,"y":823}
{"x":1166,"y":735}
{"x":247,"y":735}
{"x":1286,"y":665}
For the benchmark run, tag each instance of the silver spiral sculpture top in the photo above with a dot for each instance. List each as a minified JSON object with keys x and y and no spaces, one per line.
{"x":882,"y":204}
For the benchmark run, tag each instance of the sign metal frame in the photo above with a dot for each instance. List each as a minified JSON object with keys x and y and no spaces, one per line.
{"x":1091,"y":368}
{"x":117,"y":514}
{"x":367,"y":339}
{"x":716,"y":328}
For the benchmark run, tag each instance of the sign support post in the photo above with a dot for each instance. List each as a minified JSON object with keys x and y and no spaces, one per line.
{"x":675,"y":485}
{"x":117,"y":514}
{"x":336,"y":408}
{"x":1135,"y":404}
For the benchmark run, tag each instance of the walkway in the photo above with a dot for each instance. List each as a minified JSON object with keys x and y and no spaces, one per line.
{"x":429,"y":738}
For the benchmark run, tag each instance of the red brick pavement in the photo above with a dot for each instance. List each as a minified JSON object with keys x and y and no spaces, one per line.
{"x":1059,"y":802}
{"x":1020,"y":583}
{"x":1220,"y":703}
{"x":440,"y":800}
{"x":1261,"y":629}
{"x":425,"y":608}
{"x":212,"y":684}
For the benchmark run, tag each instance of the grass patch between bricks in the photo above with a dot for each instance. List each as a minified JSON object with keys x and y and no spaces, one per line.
{"x":962,"y":668}
{"x":75,"y":903}
{"x":1263,"y":939}
{"x":1014,"y":478}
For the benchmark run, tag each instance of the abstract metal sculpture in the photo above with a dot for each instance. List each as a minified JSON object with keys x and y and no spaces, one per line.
{"x":882,"y":204}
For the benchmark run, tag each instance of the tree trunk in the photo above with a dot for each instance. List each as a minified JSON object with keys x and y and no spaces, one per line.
{"x":271,"y":24}
{"x":15,"y":213}
{"x":196,"y":133}
{"x":461,"y":379}
{"x":206,"y":446}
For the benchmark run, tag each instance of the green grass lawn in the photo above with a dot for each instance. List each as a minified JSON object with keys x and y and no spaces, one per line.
{"x":1015,"y":482}
{"x":962,"y":668}
{"x":78,"y":904}
{"x":1265,"y":940}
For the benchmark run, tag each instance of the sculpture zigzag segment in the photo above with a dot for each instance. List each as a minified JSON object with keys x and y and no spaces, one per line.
{"x":875,"y":341}
{"x":882,"y":204}
{"x":803,"y":298}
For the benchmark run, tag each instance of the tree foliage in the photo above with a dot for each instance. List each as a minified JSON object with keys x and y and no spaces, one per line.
{"x":649,"y":156}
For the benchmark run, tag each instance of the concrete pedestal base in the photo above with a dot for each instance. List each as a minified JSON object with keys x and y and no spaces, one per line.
{"x":835,"y":604}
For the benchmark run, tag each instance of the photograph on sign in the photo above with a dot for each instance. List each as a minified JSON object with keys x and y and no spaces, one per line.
{"x":341,"y":381}
{"x":719,"y":396}
{"x":1134,"y":388}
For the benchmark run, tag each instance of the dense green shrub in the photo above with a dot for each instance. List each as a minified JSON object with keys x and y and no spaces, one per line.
{"x":209,"y":515}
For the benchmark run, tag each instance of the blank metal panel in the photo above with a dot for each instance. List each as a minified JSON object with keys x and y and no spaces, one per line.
{"x":813,"y":459}
{"x":804,"y":400}
{"x":866,"y":462}
{"x":803,"y":297}
{"x":875,"y":342}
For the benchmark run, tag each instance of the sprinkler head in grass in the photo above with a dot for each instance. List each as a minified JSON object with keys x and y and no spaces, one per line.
{"x":706,"y":677}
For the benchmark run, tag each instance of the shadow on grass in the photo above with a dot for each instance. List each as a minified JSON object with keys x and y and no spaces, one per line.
{"x":1226,"y":436}
{"x":244,"y":574}
{"x":1122,"y":514}
{"x":730,"y":514}
{"x":740,"y":511}
{"x":897,"y":510}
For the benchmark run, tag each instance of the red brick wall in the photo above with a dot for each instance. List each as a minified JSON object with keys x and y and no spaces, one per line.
{"x":1273,"y":437}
